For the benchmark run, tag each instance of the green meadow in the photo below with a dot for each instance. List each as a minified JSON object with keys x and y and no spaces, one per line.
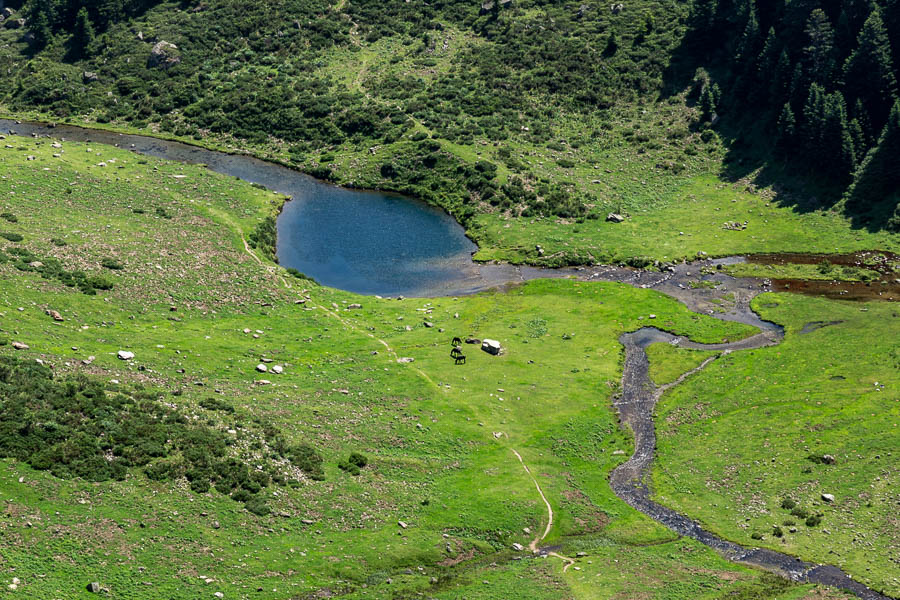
{"x":443,"y":497}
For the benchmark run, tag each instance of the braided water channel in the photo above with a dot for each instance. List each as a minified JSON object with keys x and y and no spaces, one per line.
{"x":452,"y":272}
{"x":636,"y":404}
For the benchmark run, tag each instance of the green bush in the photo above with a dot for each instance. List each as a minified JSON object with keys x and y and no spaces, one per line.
{"x":12,"y":237}
{"x":111,"y":263}
{"x":788,"y":504}
{"x":358,"y":459}
{"x":9,"y":217}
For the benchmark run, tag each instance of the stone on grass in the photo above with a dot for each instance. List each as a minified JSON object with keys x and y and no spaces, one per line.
{"x":354,"y":306}
{"x":518,"y":547}
{"x":828,"y":497}
{"x":614,"y":218}
{"x":262,"y":368}
{"x":402,"y":524}
{"x":55,"y":315}
{"x":491,"y":346}
{"x":125,"y":355}
{"x":20,"y":345}
{"x":405,"y":359}
{"x":278,"y":369}
{"x":93,"y":587}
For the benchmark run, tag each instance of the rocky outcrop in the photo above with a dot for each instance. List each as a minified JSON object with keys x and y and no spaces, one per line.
{"x":164,"y":55}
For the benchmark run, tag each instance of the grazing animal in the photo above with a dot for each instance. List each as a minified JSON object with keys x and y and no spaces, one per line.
{"x":455,"y":352}
{"x":460,"y":359}
{"x":456,"y":342}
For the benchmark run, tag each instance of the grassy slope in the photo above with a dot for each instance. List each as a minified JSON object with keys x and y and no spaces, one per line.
{"x":830,"y":391}
{"x":645,"y":160}
{"x":427,"y":427}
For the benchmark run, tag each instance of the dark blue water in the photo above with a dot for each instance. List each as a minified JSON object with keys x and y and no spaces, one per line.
{"x":370,"y":243}
{"x":365,"y":242}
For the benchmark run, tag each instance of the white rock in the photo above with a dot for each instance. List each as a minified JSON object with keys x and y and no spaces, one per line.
{"x":491,"y":346}
{"x":278,"y":369}
{"x":828,"y":497}
{"x":125,"y":355}
{"x":262,"y":368}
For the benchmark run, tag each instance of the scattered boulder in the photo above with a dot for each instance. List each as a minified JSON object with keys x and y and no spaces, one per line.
{"x":278,"y":369}
{"x":518,"y":547}
{"x":93,"y":587}
{"x":20,"y":345}
{"x":405,"y":359}
{"x":828,"y":459}
{"x":354,"y":306}
{"x":402,"y":524}
{"x":614,"y":218}
{"x":473,"y":341}
{"x":828,"y":497}
{"x":491,"y":347}
{"x":89,"y":77}
{"x":618,"y":452}
{"x":8,"y":12}
{"x":164,"y":55}
{"x":55,"y":315}
{"x":616,"y":8}
{"x":262,"y":368}
{"x":125,"y":355}
{"x":428,"y":324}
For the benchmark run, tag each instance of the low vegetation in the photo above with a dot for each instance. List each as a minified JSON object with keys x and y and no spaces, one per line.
{"x":431,"y":440}
{"x":816,"y":416}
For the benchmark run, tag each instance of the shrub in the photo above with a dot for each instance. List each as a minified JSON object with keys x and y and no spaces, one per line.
{"x":788,"y":504}
{"x":58,"y":242}
{"x":12,"y":237}
{"x":813,"y":520}
{"x":777,"y":531}
{"x":348,"y":467}
{"x":9,"y":217}
{"x":217,"y":405}
{"x":756,"y":535}
{"x":358,"y":459}
{"x":257,"y":506}
{"x":111,"y":263}
{"x":800,"y":512}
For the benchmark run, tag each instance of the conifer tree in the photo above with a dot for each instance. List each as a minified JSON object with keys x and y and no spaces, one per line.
{"x":780,"y":85}
{"x":39,"y":23}
{"x":83,"y":36}
{"x":819,"y":52}
{"x":837,"y":143}
{"x":786,"y":132}
{"x":877,"y":180}
{"x":869,"y":71}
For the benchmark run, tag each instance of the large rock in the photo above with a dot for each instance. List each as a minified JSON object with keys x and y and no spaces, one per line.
{"x":164,"y":55}
{"x":20,"y":345}
{"x":262,"y":368}
{"x":125,"y":355}
{"x":491,"y":346}
{"x":55,"y":315}
{"x":828,"y":497}
{"x":93,"y":587}
{"x":614,"y":218}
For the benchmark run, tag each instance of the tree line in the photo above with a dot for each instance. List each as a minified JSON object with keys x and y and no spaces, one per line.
{"x":820,"y":76}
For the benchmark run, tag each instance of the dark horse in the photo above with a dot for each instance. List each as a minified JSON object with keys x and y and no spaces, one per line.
{"x":457,"y":355}
{"x":456,"y":342}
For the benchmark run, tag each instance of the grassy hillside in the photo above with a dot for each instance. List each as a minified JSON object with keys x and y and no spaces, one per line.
{"x":529,"y":122}
{"x":829,"y":389}
{"x":200,"y":311}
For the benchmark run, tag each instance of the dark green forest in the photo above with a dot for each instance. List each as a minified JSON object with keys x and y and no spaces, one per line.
{"x":806,"y":85}
{"x":819,"y":78}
